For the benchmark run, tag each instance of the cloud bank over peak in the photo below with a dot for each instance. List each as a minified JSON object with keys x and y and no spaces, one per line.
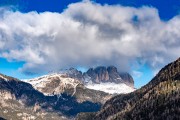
{"x":88,"y":34}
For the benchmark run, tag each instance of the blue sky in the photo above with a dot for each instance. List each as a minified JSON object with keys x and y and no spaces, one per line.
{"x":167,"y":9}
{"x":12,"y":69}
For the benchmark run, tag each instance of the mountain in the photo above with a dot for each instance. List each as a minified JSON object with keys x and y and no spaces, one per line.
{"x":109,"y":80}
{"x":73,"y":73}
{"x":101,"y":78}
{"x":60,"y":95}
{"x":19,"y":100}
{"x":58,"y":83}
{"x":158,"y":100}
{"x":103,"y":74}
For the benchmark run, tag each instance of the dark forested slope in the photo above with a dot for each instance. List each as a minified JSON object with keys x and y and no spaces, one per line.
{"x":159,"y":99}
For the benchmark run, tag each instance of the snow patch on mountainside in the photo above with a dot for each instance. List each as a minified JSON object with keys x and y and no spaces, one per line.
{"x":3,"y":78}
{"x":65,"y":82}
{"x":41,"y":83}
{"x":111,"y":88}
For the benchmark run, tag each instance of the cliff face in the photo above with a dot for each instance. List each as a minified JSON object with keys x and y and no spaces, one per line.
{"x":106,"y":79}
{"x":98,"y":74}
{"x":103,"y":74}
{"x":127,"y":79}
{"x":159,"y":99}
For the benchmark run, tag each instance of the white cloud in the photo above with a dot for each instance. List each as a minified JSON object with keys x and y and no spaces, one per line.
{"x":137,"y":74}
{"x":88,"y":34}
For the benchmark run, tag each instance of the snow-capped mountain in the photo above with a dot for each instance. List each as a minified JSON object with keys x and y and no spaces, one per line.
{"x":54,"y":83}
{"x":60,"y":83}
{"x":106,"y":79}
{"x":20,"y":101}
{"x":109,"y":80}
{"x":50,"y":97}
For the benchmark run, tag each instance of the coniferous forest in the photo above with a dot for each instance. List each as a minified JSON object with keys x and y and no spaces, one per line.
{"x":158,"y":100}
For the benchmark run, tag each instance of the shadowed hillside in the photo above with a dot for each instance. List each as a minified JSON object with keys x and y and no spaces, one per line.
{"x":19,"y":100}
{"x":159,"y":99}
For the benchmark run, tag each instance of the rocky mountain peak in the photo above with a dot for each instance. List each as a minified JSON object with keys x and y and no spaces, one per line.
{"x":112,"y":69}
{"x":73,"y":73}
{"x":100,"y":74}
{"x":128,"y":79}
{"x":101,"y":78}
{"x":100,"y":69}
{"x":103,"y":74}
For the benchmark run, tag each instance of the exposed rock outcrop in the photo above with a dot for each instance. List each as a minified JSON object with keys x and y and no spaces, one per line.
{"x":103,"y":74}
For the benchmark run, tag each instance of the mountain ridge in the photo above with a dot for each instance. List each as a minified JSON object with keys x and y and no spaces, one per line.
{"x":113,"y":84}
{"x":101,"y":78}
{"x":109,"y":74}
{"x":157,"y":100}
{"x":21,"y":101}
{"x":99,"y":74}
{"x":56,"y":84}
